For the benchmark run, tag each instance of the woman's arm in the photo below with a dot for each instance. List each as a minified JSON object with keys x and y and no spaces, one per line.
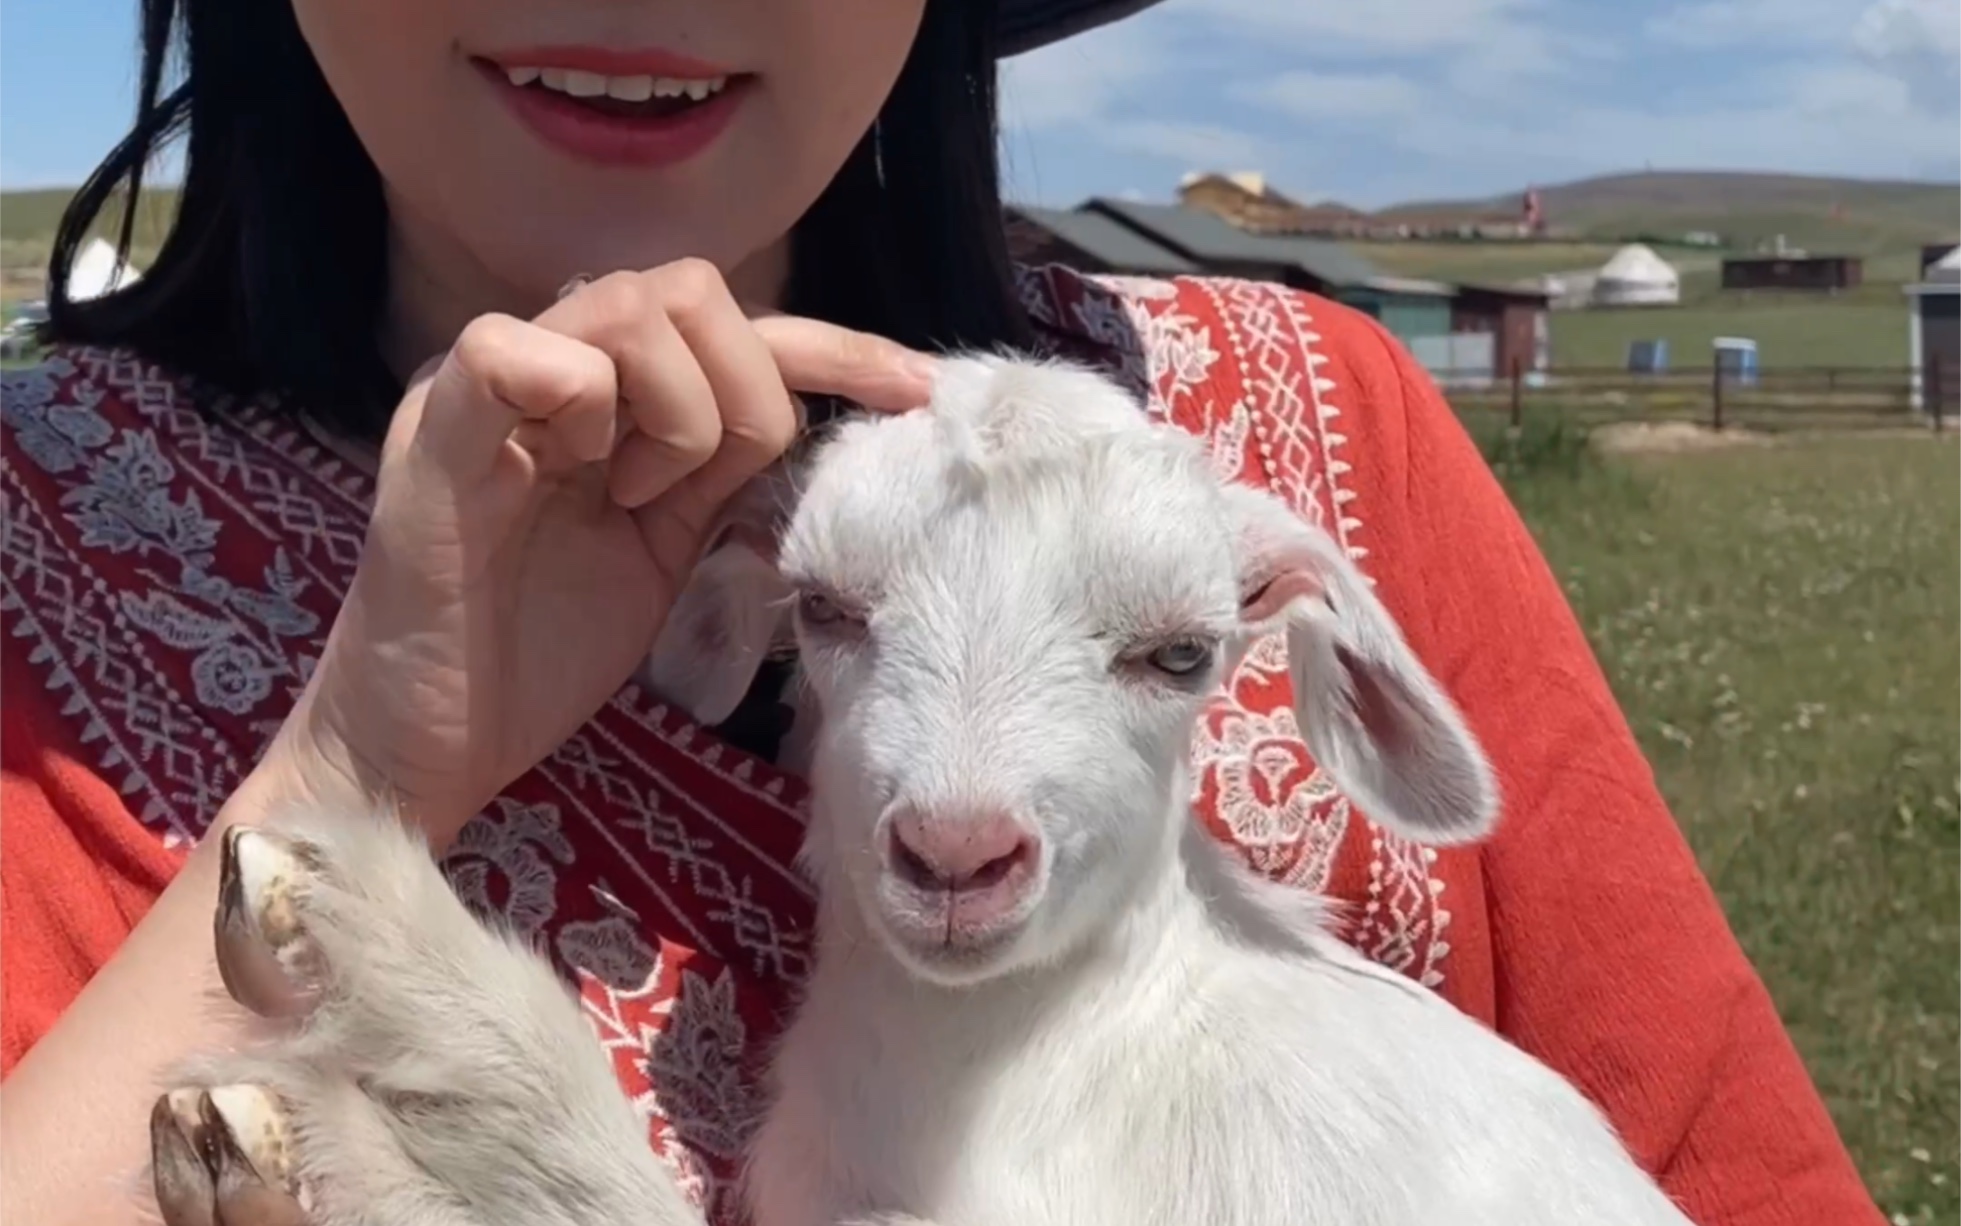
{"x":74,"y":1111}
{"x":1612,"y":957}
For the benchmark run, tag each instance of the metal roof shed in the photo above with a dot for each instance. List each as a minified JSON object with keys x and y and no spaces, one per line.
{"x":1410,"y":308}
{"x":1090,"y":242}
{"x":1222,"y":248}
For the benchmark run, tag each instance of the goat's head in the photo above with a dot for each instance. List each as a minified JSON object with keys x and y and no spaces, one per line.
{"x":1010,"y":610}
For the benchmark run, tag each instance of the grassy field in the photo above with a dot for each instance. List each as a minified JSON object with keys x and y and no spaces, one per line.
{"x":1862,"y":327}
{"x":1494,"y":263}
{"x":1780,"y":625}
{"x":1865,"y":327}
{"x":1789,"y":331}
{"x":1843,"y":216}
{"x":28,"y":220}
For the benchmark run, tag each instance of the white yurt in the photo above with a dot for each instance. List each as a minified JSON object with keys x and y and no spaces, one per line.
{"x":96,"y":271}
{"x":1636,"y":276}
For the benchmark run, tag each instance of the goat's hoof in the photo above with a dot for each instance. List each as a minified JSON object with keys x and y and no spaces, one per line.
{"x":265,"y":958}
{"x":223,"y":1155}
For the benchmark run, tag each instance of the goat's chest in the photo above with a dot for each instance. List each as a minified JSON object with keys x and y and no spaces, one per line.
{"x":1050,"y":1116}
{"x":952,"y":1126}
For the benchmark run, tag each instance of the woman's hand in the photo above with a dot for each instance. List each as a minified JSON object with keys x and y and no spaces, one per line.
{"x":543,"y":494}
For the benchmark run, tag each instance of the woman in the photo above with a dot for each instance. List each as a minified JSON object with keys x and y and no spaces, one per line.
{"x":341,"y":500}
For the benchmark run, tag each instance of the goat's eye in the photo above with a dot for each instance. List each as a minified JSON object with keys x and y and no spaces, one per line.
{"x":1181,"y":657}
{"x":817,"y":609}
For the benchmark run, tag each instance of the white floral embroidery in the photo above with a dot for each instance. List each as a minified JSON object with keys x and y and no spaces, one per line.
{"x":696,"y":1064}
{"x":519,"y":842}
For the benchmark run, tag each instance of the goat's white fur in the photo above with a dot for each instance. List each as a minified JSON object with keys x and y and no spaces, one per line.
{"x":1164,"y":1038}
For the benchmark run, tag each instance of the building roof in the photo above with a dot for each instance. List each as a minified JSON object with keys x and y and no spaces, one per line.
{"x":1943,"y":276}
{"x":1534,"y":290}
{"x":1413,"y":286}
{"x":1108,"y":240}
{"x":1207,"y":237}
{"x":1796,"y":258}
{"x":1640,"y":264}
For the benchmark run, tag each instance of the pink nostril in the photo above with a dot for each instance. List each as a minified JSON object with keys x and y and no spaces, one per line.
{"x":958,"y":852}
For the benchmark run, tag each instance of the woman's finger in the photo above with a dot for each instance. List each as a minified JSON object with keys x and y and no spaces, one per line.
{"x":825,"y":359}
{"x":503,"y":371}
{"x":674,"y":334}
{"x":668,"y":399}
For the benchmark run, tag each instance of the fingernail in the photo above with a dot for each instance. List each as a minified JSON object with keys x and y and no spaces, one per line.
{"x":566,"y":289}
{"x":923,"y":367}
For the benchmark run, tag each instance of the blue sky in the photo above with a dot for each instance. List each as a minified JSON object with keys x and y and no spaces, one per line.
{"x":1369,"y":101}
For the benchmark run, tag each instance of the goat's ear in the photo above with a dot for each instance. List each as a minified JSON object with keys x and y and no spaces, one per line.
{"x":727,"y":620}
{"x":1371,"y":714}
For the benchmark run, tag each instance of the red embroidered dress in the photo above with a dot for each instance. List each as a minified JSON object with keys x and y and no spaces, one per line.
{"x":170,"y":575}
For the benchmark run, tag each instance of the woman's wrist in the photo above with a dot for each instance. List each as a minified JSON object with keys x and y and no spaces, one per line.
{"x":310,"y":763}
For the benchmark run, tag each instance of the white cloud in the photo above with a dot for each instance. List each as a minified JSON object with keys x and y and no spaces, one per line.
{"x":1080,"y":80}
{"x":1723,"y":24}
{"x":1396,"y":26}
{"x":1835,"y":119}
{"x":1108,"y":89}
{"x":1899,"y":29}
{"x":1319,"y":96}
{"x":1883,"y":31}
{"x":1375,"y":100}
{"x":1193,"y":146}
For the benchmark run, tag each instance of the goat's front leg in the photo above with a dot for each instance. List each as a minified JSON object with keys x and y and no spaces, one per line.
{"x":424,"y":1070}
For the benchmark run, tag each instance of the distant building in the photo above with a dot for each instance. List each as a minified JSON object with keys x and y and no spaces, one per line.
{"x":1088,"y":242}
{"x":1934,"y":335}
{"x":1516,"y":321}
{"x":1636,"y":276}
{"x":1246,"y":200}
{"x":1249,"y":202}
{"x":1817,"y":273}
{"x":1223,"y":249}
{"x":1459,"y":335}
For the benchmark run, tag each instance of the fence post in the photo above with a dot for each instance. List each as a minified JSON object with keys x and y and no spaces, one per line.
{"x":1716,"y":396}
{"x":1518,"y":394}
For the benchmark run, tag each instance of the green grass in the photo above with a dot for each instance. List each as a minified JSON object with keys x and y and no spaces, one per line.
{"x":1486,"y":263}
{"x":1780,"y":625}
{"x":28,"y":220}
{"x":1865,"y":327}
{"x":30,"y":217}
{"x":1862,"y":330}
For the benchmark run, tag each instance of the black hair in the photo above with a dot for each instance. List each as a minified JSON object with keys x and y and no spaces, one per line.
{"x":272,"y":276}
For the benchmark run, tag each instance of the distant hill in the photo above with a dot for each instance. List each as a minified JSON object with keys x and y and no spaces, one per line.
{"x":1840,"y":216}
{"x":29,"y":218}
{"x":1827,"y":215}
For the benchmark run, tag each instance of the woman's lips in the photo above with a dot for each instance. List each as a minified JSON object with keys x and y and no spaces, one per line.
{"x":617,"y":108}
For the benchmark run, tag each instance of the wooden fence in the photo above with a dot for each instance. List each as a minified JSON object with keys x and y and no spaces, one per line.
{"x":1787,"y":398}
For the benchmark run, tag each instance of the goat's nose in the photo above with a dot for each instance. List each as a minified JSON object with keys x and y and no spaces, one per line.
{"x":955,"y":852}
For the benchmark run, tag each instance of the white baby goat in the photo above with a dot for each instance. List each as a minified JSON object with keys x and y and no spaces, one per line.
{"x":1043,"y":995}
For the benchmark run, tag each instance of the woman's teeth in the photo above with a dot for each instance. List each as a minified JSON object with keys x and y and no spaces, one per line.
{"x":578,"y":84}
